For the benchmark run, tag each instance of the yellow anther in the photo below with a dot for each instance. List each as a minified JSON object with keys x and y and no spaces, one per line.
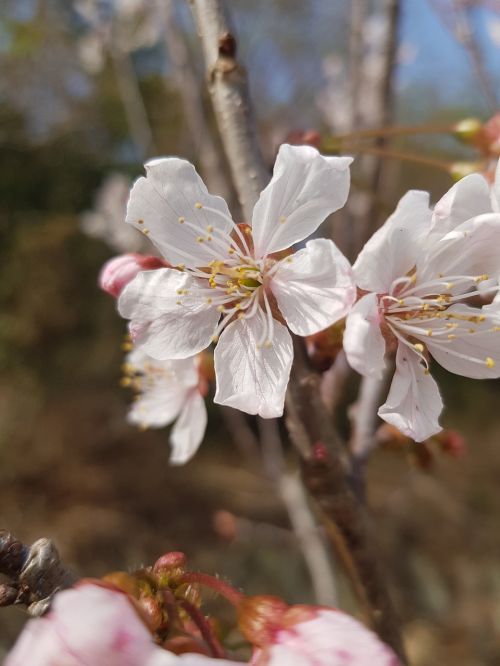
{"x":268,"y":344}
{"x":282,"y":219}
{"x":181,"y":267}
{"x":425,"y":307}
{"x":140,"y":221}
{"x":248,"y":231}
{"x":238,"y":306}
{"x":401,"y":301}
{"x":230,"y":251}
{"x":209,"y":238}
{"x":448,"y":285}
{"x":427,"y":371}
{"x":451,"y":336}
{"x":220,"y":308}
{"x":472,"y":330}
{"x":209,"y":301}
{"x":241,"y":315}
{"x":178,"y":302}
{"x":182,"y":220}
{"x":429,"y":332}
{"x":125,"y":381}
{"x":481,"y":318}
{"x":145,"y":231}
{"x":418,"y":347}
{"x":210,"y":228}
{"x":215,"y":338}
{"x":127,"y":346}
{"x":495,"y":329}
{"x":481,"y":278}
{"x":490,"y":363}
{"x":289,"y":260}
{"x":198,"y":205}
{"x":180,"y":292}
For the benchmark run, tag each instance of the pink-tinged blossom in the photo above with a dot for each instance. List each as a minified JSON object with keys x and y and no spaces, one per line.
{"x":234,"y":288}
{"x":97,"y":626}
{"x":310,"y":636}
{"x":420,"y":272}
{"x":119,"y":271}
{"x":169,"y":391}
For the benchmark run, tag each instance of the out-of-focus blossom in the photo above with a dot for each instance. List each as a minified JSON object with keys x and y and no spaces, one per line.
{"x":233,"y":286}
{"x":419,"y":272}
{"x":106,"y":220}
{"x":119,"y":271}
{"x":309,"y":636}
{"x":169,"y":391}
{"x":93,"y":624}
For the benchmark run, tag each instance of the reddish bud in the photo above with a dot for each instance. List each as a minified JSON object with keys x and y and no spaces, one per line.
{"x":119,"y":271}
{"x":174,"y":561}
{"x":225,"y":524}
{"x":452,"y":443}
{"x":308,"y":137}
{"x":320,"y":452}
{"x":260,"y":617}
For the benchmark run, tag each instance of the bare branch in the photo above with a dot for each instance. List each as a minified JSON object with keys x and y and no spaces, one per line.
{"x":228,"y":88}
{"x":304,"y":525}
{"x":188,"y":85}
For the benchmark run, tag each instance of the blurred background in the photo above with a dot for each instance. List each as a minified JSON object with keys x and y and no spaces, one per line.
{"x":89,"y":89}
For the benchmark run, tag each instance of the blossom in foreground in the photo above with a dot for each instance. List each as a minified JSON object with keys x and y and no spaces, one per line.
{"x":94,"y":625}
{"x":420,"y":272}
{"x":310,"y":636}
{"x":169,"y":391}
{"x":237,"y":288}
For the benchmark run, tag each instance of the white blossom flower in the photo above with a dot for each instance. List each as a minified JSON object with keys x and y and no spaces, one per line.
{"x":314,"y":636}
{"x":234,"y":287}
{"x":92,"y":624}
{"x":420,"y":271}
{"x":168,"y":391}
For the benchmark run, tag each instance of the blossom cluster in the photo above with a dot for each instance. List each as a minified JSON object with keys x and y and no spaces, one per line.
{"x":424,"y":286}
{"x":153,"y":618}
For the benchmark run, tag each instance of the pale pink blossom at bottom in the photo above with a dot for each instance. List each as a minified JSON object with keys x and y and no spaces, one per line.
{"x":119,"y":271}
{"x":93,"y":626}
{"x":324,"y":637}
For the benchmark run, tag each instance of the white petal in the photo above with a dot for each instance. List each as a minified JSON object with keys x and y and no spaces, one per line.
{"x":305,"y":188}
{"x":169,"y":193}
{"x":165,"y":329}
{"x":392,"y":251}
{"x":363,"y":342}
{"x":480,"y":347}
{"x":495,"y":190}
{"x":472,"y":248}
{"x":414,"y":402}
{"x":157,"y":407}
{"x":466,"y":199}
{"x":314,"y":288}
{"x":250,"y":379}
{"x":189,"y":429}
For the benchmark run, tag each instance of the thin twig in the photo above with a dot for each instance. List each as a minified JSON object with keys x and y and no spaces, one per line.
{"x":304,"y":525}
{"x":185,"y":78}
{"x":228,"y":88}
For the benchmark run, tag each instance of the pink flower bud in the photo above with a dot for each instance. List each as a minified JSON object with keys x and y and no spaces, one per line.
{"x":119,"y":271}
{"x":315,"y":636}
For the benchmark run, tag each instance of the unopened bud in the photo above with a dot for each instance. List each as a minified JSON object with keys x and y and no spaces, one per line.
{"x":467,"y":130}
{"x":119,"y":271}
{"x":176,"y":560}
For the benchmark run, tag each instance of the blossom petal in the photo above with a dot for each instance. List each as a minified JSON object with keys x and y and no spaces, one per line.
{"x":364,"y":344}
{"x":495,"y":190}
{"x":472,"y":248}
{"x":392,"y":251}
{"x":474,"y":349}
{"x":189,"y":429}
{"x":314,"y":288}
{"x":414,"y":402}
{"x":166,"y":197}
{"x":250,"y":379}
{"x":157,"y":407}
{"x":163,"y":327}
{"x":305,"y":188}
{"x":466,"y":199}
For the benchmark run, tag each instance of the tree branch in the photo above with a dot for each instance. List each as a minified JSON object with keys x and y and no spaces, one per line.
{"x":327,"y":478}
{"x":228,"y":88}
